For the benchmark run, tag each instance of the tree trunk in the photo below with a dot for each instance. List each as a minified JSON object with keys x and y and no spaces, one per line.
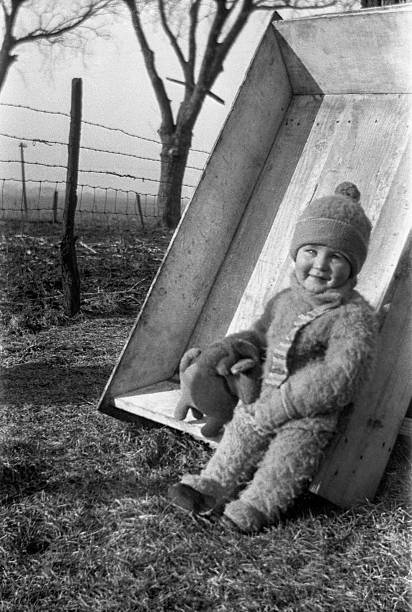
{"x":6,"y":59}
{"x":173,"y":159}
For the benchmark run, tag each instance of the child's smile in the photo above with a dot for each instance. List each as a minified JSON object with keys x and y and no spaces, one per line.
{"x":319,"y":267}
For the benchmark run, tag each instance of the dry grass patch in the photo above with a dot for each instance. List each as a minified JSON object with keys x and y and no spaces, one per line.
{"x":84,"y":519}
{"x":86,"y":526}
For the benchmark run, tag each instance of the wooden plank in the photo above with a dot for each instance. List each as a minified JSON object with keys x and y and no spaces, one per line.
{"x":353,"y":52}
{"x":179,"y":291}
{"x":354,"y":465}
{"x":391,"y":228}
{"x":358,"y":138}
{"x":259,"y":217}
{"x":159,"y":406}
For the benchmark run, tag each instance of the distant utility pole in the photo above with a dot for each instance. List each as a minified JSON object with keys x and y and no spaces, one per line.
{"x":23,"y":181}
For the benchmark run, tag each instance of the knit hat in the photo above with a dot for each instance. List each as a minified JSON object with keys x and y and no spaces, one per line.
{"x":337,"y":221}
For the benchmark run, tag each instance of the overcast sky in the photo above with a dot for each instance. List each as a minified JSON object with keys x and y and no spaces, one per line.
{"x":116,"y":93}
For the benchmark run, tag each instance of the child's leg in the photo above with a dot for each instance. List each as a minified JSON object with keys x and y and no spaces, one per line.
{"x":239,"y":449}
{"x":289,"y":464}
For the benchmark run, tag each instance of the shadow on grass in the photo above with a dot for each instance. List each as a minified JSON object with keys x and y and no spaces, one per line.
{"x":56,"y":442}
{"x":42,"y":397}
{"x":34,"y":467}
{"x":47,"y":382}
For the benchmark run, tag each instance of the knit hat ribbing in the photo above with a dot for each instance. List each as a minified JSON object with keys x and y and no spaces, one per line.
{"x":337,"y":221}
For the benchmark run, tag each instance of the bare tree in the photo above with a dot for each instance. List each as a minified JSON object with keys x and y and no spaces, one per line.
{"x":44,"y":21}
{"x":215,"y":23}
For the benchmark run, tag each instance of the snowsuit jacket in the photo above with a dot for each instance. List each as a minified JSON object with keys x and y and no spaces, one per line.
{"x":328,"y":362}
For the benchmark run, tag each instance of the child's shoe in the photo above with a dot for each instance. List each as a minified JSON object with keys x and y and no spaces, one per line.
{"x":229,"y":525}
{"x":189,"y":499}
{"x":243,"y":518}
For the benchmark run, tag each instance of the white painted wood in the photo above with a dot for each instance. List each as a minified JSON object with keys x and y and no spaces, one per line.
{"x":363,"y":139}
{"x":177,"y":296}
{"x":159,"y":406}
{"x":359,"y":52}
{"x":259,"y":217}
{"x":357,"y":138}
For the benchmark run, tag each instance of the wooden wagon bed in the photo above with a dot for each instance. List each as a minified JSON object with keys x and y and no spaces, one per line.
{"x":326,"y":99}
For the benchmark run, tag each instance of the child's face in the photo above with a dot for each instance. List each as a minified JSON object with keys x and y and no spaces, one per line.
{"x":319,"y":268}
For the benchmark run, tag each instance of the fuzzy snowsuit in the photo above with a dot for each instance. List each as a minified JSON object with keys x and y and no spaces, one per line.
{"x":320,"y":349}
{"x":281,"y":437}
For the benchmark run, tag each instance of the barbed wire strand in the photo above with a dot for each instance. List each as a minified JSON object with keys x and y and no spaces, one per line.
{"x":100,"y":125}
{"x":62,"y":182}
{"x":61,"y":143}
{"x":109,"y":172}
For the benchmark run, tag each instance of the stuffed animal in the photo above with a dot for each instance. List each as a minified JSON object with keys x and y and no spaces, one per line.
{"x":214,"y":380}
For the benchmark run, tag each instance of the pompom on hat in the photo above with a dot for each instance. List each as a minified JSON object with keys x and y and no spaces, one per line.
{"x":337,"y":221}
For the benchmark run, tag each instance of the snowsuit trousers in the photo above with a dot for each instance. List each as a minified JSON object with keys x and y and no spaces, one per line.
{"x":276,"y":468}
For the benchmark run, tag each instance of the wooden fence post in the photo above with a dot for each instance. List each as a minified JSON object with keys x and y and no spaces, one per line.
{"x":70,"y":272}
{"x":139,"y":207}
{"x":55,"y":205}
{"x":23,"y":181}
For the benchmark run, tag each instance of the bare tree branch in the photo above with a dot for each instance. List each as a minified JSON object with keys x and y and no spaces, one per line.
{"x":149,"y":60}
{"x":245,"y":11}
{"x":192,"y":46}
{"x":64,"y":25}
{"x":224,"y":21}
{"x":51,"y":22}
{"x":172,"y":38}
{"x":5,"y":13}
{"x":49,"y":30}
{"x":205,"y":74}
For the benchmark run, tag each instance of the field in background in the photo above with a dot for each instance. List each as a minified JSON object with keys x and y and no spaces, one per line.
{"x":84,"y":519}
{"x":95,"y":206}
{"x":115,"y":167}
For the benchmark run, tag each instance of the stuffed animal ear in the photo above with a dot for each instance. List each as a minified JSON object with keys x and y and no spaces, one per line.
{"x":246,"y":349}
{"x":243,"y":365}
{"x":188,"y":358}
{"x":223,"y":366}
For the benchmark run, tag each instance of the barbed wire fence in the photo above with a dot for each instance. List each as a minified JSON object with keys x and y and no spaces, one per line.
{"x":103,"y":203}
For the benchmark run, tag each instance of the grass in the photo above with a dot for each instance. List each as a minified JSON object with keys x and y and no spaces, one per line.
{"x":84,"y":519}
